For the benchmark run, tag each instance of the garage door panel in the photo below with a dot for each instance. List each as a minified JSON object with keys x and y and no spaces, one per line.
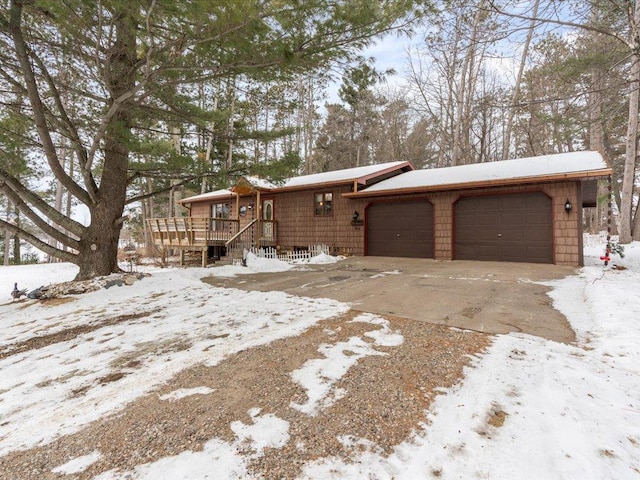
{"x":537,"y":218}
{"x":510,"y":227}
{"x":512,"y":236}
{"x":400,"y":229}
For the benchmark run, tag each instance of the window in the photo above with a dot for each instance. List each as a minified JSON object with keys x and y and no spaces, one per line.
{"x":220,"y":210}
{"x":323,"y":203}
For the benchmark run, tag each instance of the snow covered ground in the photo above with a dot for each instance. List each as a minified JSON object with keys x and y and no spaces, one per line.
{"x":528,"y":409}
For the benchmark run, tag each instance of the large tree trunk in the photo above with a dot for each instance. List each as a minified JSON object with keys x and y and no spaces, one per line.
{"x":628,"y":179}
{"x":99,"y":243}
{"x":626,"y":194}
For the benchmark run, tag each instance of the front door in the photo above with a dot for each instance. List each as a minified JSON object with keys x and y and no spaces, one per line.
{"x":267,"y":217}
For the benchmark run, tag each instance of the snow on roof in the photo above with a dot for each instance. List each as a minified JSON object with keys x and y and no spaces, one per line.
{"x":346,"y":174}
{"x":542,"y":166}
{"x":207,"y":196}
{"x":258,"y":182}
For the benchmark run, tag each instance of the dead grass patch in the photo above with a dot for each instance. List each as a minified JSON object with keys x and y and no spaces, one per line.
{"x":496,"y":419}
{"x":54,"y":302}
{"x":110,"y":378}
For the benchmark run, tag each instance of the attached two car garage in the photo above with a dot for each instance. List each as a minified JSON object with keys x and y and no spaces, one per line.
{"x":520,"y":210}
{"x":514,"y":227}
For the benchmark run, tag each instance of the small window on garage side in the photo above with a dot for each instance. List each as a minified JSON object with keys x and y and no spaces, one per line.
{"x":323,"y":203}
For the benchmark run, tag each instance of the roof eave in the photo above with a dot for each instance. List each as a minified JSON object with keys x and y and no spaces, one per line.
{"x":185,"y":201}
{"x":592,"y":174}
{"x":363,"y":180}
{"x":314,"y":186}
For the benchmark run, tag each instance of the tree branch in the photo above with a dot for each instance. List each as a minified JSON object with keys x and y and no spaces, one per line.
{"x":15,"y":22}
{"x":37,"y":220}
{"x":564,"y":23}
{"x":31,"y":198}
{"x":69,"y":127}
{"x":36,"y":242}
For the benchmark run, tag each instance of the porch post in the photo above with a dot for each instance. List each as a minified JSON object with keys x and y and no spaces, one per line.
{"x":259,"y":213}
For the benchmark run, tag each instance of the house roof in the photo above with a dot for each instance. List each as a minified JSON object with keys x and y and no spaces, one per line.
{"x":563,"y":166}
{"x":347,"y":175}
{"x":337,"y":177}
{"x":207,"y":196}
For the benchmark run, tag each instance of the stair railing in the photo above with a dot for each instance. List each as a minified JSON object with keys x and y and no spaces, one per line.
{"x":245,"y":237}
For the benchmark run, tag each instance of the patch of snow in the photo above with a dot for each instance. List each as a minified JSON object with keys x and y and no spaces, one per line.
{"x":384,"y":274}
{"x":78,"y":465}
{"x":186,"y":392}
{"x":218,"y":459}
{"x":267,"y":431}
{"x":34,"y":276}
{"x":258,"y":264}
{"x":318,"y":376}
{"x":320,"y":259}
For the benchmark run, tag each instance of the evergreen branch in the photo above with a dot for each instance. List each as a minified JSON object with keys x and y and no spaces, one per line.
{"x":39,"y":244}
{"x":69,"y":127}
{"x":15,"y":27}
{"x":38,"y":221}
{"x":33,"y":199}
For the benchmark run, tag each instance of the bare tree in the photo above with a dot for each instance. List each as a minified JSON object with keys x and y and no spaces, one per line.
{"x":624,"y":32}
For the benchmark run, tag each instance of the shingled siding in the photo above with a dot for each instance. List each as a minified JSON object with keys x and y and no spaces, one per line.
{"x":567,"y":227}
{"x":298,"y":226}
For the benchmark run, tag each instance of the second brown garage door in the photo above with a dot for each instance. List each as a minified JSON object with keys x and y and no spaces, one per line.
{"x":508,"y":228}
{"x":400,"y":229}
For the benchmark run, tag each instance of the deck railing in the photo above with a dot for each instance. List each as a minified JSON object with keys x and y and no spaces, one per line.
{"x":185,"y":232}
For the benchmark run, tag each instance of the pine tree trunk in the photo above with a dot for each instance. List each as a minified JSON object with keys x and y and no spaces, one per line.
{"x":17,"y":255}
{"x":98,"y":249}
{"x":7,"y":237}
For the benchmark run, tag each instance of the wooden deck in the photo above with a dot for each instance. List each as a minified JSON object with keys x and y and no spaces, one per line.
{"x":200,"y":233}
{"x":191,"y":233}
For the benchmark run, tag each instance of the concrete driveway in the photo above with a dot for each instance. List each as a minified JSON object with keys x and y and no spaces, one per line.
{"x":491,"y":297}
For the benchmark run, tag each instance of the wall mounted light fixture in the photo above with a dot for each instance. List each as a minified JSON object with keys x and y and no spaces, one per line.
{"x":356,"y":220}
{"x":568,"y":206}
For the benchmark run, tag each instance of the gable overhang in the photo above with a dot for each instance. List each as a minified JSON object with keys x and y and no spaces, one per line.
{"x":503,"y":182}
{"x":188,"y":202}
{"x":357,"y":182}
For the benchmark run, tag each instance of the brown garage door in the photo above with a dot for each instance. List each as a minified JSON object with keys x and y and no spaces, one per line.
{"x":508,"y":228}
{"x":400,"y":229}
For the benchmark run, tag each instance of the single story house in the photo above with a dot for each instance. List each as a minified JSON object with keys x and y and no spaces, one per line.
{"x":522,"y":210}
